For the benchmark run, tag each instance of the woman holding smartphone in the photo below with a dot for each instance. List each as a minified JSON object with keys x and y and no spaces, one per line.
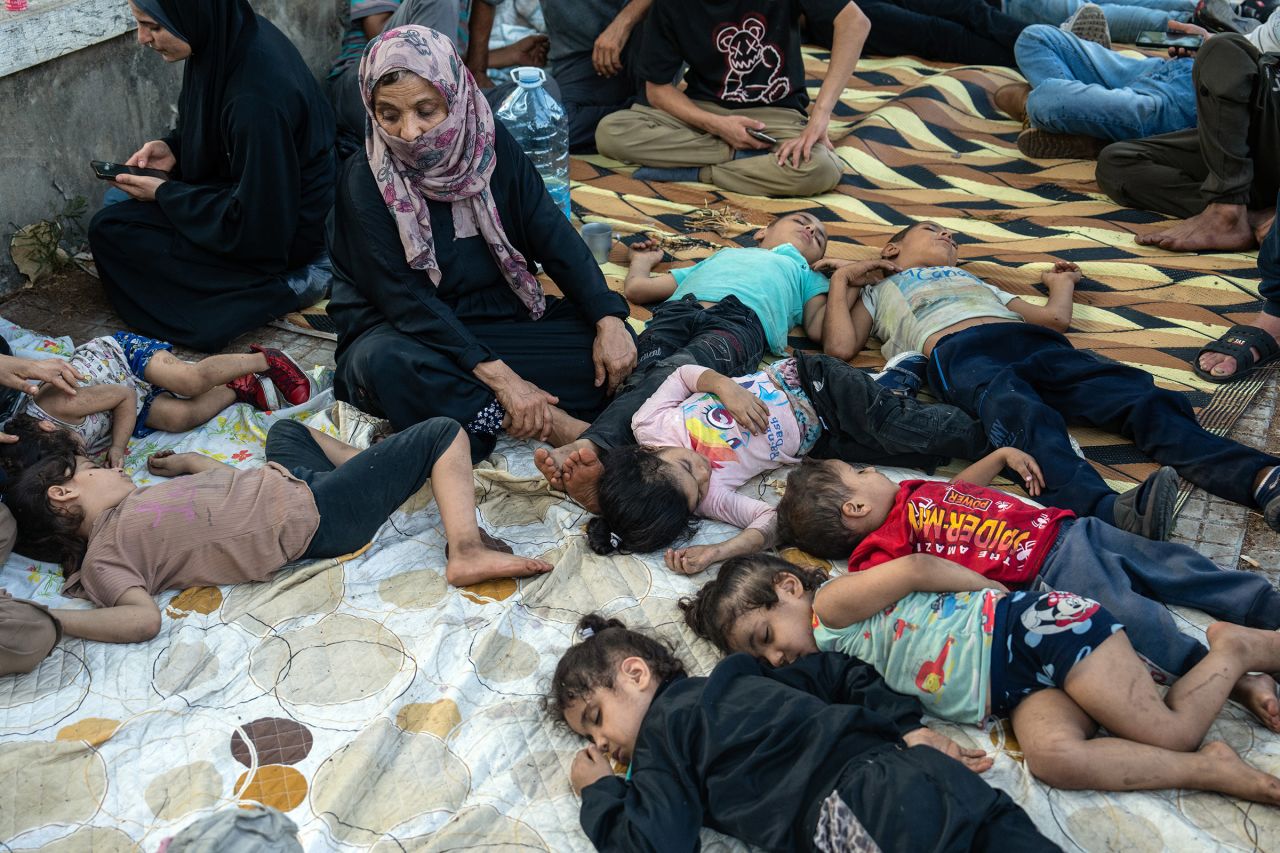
{"x":200,"y":256}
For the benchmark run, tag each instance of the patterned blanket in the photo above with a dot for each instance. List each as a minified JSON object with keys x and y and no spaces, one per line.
{"x":384,"y":711}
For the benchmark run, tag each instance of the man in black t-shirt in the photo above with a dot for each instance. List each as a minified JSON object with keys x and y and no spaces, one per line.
{"x":745,"y":73}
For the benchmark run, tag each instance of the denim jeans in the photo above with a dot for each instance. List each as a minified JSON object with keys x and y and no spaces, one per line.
{"x":1082,"y":87}
{"x":357,"y":498}
{"x":1026,"y":383}
{"x":1126,"y":18}
{"x":726,"y":337}
{"x":1135,"y":578}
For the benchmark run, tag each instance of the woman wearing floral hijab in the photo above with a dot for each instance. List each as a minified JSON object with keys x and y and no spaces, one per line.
{"x":434,"y":232}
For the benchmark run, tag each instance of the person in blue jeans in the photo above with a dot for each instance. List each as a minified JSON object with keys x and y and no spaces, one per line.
{"x":1005,"y":361}
{"x":1078,"y":90}
{"x":1126,"y":18}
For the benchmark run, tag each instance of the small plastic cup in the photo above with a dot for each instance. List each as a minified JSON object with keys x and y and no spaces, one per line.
{"x":599,"y":239}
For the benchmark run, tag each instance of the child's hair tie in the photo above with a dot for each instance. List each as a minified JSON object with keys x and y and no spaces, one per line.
{"x":587,"y":633}
{"x":615,"y":541}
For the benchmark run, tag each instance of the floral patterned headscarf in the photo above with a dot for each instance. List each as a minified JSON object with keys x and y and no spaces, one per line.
{"x":452,"y":162}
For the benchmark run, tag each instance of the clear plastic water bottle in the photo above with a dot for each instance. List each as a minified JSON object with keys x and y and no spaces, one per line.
{"x":539,"y":126}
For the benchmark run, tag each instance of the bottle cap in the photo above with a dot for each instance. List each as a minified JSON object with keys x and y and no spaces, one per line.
{"x":528,"y":77}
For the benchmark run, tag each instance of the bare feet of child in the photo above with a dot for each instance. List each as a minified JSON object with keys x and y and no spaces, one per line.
{"x":1230,"y":774}
{"x":1218,"y":226}
{"x":551,"y":462}
{"x":1257,"y":694}
{"x":472,"y":562}
{"x":581,"y":476}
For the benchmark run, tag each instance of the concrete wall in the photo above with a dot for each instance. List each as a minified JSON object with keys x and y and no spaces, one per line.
{"x":102,"y":103}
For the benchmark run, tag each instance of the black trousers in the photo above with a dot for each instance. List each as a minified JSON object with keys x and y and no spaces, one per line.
{"x":1229,"y":158}
{"x":726,"y":337}
{"x":587,"y":97}
{"x":403,"y":379}
{"x":356,"y":498}
{"x":195,"y":300}
{"x":971,"y":32}
{"x":920,"y":800}
{"x":864,"y":422}
{"x":1027,"y":383}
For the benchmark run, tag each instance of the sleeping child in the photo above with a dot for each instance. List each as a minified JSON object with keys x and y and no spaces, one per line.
{"x":1005,"y":361}
{"x":133,"y":386}
{"x":817,"y":755}
{"x":213,"y":524}
{"x":702,"y":435}
{"x":1057,"y":664}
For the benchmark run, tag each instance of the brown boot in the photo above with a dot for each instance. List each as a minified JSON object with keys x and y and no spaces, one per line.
{"x":1043,"y":145}
{"x":1012,"y":100}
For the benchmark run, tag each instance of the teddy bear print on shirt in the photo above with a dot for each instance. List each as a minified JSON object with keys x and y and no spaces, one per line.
{"x":749,"y":58}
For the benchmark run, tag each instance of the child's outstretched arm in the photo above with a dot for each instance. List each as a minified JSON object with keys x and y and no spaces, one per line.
{"x":166,"y":463}
{"x":135,"y":618}
{"x":854,"y":597}
{"x":759,"y":523}
{"x":1056,"y":313}
{"x":986,"y":469}
{"x":120,"y":400}
{"x":641,"y":286}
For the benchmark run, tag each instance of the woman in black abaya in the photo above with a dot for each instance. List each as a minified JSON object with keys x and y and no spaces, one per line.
{"x":200,"y":257}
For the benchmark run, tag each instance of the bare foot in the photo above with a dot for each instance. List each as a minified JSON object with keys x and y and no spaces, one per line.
{"x":1260,"y":221}
{"x":1257,"y":693}
{"x":1224,"y":365}
{"x":581,"y":476}
{"x":565,"y":427}
{"x":472,"y":563}
{"x":1232,"y":775}
{"x":551,"y":462}
{"x":1218,"y":226}
{"x":1257,"y":650}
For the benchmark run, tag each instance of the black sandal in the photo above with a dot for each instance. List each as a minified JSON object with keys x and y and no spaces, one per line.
{"x":1239,"y":342}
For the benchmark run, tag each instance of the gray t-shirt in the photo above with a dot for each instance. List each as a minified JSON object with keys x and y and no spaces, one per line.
{"x":574,"y":25}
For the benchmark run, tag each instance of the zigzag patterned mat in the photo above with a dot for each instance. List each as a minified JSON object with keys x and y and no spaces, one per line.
{"x":924,"y":142}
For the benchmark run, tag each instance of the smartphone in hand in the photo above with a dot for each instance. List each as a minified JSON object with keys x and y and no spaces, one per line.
{"x":1157,"y":39}
{"x":761,"y":135}
{"x":109,"y":171}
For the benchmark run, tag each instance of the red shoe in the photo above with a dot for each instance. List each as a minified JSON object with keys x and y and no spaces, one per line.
{"x":250,"y":389}
{"x":286,"y":374}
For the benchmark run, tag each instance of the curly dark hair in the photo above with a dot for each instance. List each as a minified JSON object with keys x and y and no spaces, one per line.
{"x":593,"y":662}
{"x":743,"y":584}
{"x":809,"y":513}
{"x":46,"y":532}
{"x":35,"y":441}
{"x":641,"y":507}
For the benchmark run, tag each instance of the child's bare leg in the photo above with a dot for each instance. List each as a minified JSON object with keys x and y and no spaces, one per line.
{"x":336,"y":451}
{"x":551,"y":462}
{"x":564,"y":427}
{"x":581,"y":477}
{"x":1113,"y":686}
{"x":469,"y":560}
{"x":174,"y":414}
{"x":190,"y":379}
{"x":1056,"y":736}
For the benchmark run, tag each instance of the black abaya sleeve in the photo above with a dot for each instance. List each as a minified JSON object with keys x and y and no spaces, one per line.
{"x":253,"y":219}
{"x":551,"y":240}
{"x":845,"y":680}
{"x":366,"y":251}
